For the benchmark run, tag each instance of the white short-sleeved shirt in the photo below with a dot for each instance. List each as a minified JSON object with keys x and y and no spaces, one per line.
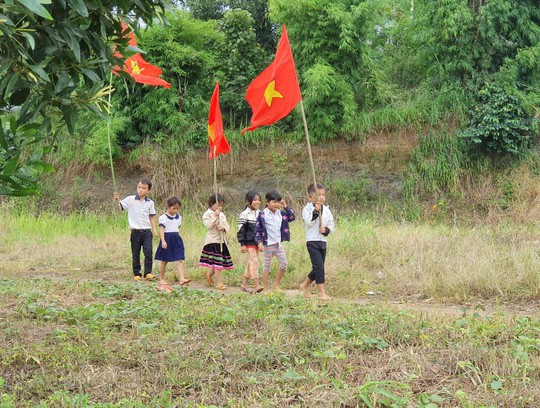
{"x":139,"y":212}
{"x":313,"y":225}
{"x":273,"y":222}
{"x":171,"y":224}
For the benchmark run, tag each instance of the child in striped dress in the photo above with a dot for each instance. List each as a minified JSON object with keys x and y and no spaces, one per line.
{"x":215,"y":254}
{"x":171,"y":246}
{"x":246,"y":239}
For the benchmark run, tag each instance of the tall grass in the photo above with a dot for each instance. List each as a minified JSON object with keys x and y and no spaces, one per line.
{"x":395,"y":260}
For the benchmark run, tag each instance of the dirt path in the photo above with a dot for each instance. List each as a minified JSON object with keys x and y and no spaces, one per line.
{"x":426,"y":307}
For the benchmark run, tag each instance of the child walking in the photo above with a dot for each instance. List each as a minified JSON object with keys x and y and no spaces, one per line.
{"x":246,"y":238}
{"x":319,"y":223}
{"x":171,"y":246}
{"x":142,"y":223}
{"x":271,"y":229}
{"x":215,"y":253}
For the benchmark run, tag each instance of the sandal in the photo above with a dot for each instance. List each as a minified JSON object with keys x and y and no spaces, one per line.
{"x":259,"y":290}
{"x":164,"y":287}
{"x":244,"y":289}
{"x":185,"y":282}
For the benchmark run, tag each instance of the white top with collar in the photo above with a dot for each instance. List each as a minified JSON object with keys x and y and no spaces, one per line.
{"x":312,"y":226}
{"x":273,"y":222}
{"x":171,"y":224}
{"x":139,"y":212}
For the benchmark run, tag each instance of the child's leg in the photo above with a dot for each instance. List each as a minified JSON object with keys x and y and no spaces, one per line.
{"x":136,"y":252}
{"x":183,"y":279}
{"x":282,"y":259}
{"x":147,"y":250}
{"x":268,"y":254}
{"x":304,"y":286}
{"x":317,"y":253}
{"x":252,"y":267}
{"x":219,"y":282}
{"x":162,"y":272}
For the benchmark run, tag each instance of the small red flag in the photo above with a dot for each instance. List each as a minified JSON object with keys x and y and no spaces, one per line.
{"x":142,"y":71}
{"x":216,"y":138}
{"x":275,"y":92}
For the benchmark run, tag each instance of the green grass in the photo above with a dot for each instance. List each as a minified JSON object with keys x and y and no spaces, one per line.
{"x":396,"y":260}
{"x":70,"y":343}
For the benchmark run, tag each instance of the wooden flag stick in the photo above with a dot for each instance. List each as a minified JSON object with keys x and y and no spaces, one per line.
{"x":109,"y":136}
{"x":216,"y":193}
{"x":310,"y":157}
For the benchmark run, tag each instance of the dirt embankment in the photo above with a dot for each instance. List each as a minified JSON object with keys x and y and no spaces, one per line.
{"x":374,"y":165}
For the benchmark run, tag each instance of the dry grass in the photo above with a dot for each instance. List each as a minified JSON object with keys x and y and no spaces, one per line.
{"x":397,"y":260}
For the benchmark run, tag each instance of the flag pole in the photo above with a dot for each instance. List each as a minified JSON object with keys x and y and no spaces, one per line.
{"x":216,"y":193}
{"x":310,"y":156}
{"x":109,"y":136}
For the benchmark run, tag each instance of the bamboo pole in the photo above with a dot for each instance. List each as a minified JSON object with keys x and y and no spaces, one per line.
{"x":310,"y":157}
{"x":109,"y":135}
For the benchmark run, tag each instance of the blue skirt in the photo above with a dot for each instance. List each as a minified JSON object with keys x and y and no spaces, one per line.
{"x":175,"y":248}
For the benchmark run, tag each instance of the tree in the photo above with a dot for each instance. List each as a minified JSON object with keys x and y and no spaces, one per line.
{"x":328,"y":40}
{"x":55,"y":56}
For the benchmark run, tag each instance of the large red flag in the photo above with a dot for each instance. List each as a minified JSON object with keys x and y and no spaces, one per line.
{"x":142,"y":71}
{"x":216,"y":138}
{"x":275,"y":92}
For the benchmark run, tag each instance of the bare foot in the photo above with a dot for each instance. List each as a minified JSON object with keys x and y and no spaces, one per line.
{"x":184,"y":282}
{"x":305,"y":289}
{"x":324,"y":297}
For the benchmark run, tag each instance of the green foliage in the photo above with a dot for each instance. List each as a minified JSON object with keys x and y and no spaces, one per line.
{"x":350,"y":191}
{"x":498,"y":124}
{"x":56,"y":55}
{"x":240,"y":61}
{"x":328,"y":56}
{"x":96,"y":148}
{"x":18,"y":173}
{"x":435,"y":165}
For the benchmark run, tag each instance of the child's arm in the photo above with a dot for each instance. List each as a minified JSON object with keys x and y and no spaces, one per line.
{"x":258,"y":232}
{"x":290,"y":214}
{"x":223,"y":224}
{"x":153,"y":224}
{"x":116,"y":197}
{"x":209,"y":220}
{"x":241,"y":234}
{"x":310,"y":216}
{"x":162,"y":236}
{"x":329,"y":225}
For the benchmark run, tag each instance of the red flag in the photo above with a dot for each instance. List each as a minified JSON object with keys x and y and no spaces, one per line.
{"x":216,"y":138}
{"x":142,"y":71}
{"x":275,"y":92}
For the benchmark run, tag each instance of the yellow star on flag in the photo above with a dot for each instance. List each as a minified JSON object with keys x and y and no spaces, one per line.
{"x":135,"y":68}
{"x":270,"y":93}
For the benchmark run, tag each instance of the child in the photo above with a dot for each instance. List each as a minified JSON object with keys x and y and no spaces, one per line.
{"x":215,"y":254}
{"x":271,"y":229}
{"x":319,"y":223}
{"x":246,"y":238}
{"x":171,"y":246}
{"x":141,"y":219}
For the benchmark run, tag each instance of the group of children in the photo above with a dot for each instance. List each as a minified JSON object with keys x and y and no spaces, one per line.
{"x":258,"y":231}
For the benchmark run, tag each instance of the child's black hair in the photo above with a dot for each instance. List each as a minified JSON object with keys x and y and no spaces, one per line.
{"x":273,"y":195}
{"x":146,"y":182}
{"x":212,"y":200}
{"x":311,"y":188}
{"x":250,"y":196}
{"x":173,"y":201}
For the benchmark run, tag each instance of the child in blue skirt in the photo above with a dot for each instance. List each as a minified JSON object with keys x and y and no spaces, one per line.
{"x":171,"y":246}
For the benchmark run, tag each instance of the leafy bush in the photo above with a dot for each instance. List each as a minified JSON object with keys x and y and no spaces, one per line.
{"x":498,"y":123}
{"x":96,"y":148}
